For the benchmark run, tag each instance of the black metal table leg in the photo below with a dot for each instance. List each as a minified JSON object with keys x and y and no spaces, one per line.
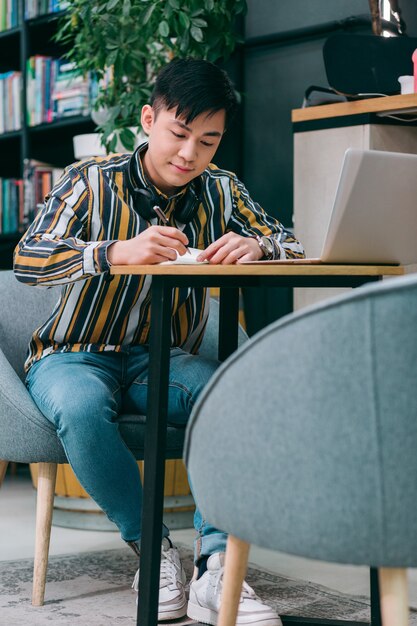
{"x":375,"y":598}
{"x":155,"y":444}
{"x":228,"y":321}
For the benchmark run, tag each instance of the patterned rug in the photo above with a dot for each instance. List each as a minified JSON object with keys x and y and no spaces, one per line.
{"x":94,"y":589}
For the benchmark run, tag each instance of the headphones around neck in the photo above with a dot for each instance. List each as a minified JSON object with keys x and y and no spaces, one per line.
{"x":186,"y":205}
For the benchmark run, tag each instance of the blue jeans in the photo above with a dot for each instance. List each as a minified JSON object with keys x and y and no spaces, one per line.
{"x":82,"y":394}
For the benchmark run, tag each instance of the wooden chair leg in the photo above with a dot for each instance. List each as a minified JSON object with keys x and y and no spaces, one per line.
{"x":3,"y":468}
{"x":235,"y":567}
{"x":394,"y":596}
{"x":44,"y":507}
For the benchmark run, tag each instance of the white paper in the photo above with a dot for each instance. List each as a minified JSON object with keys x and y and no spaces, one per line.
{"x":189,"y":258}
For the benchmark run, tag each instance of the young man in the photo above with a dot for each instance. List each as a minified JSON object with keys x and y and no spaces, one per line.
{"x":88,"y":362}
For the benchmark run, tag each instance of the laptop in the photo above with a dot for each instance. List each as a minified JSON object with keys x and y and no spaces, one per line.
{"x":374,"y":215}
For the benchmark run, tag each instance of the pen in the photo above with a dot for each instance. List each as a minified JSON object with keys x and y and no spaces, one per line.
{"x":163,"y":218}
{"x":161,"y":214}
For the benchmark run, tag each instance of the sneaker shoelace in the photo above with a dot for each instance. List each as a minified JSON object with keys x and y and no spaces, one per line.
{"x":247,"y":591}
{"x":167,"y":573}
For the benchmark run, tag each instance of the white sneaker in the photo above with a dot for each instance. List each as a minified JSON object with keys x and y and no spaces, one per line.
{"x":205,"y":593}
{"x":172,"y":598}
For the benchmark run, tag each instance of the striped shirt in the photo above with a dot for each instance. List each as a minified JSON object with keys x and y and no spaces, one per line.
{"x":92,"y":206}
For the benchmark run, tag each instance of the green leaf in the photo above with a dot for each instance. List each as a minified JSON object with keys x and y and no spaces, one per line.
{"x":118,"y":70}
{"x":184,"y":19}
{"x":209,"y":4}
{"x":197,"y":33}
{"x":126,"y":8}
{"x":107,"y":115}
{"x":163,"y":29}
{"x":212,"y":56}
{"x":199,"y":22}
{"x":111,"y":58}
{"x":111,"y":4}
{"x":127,"y":65}
{"x":116,"y":111}
{"x":111,"y":146}
{"x":168,"y":12}
{"x":127,"y":138}
{"x":175,"y":4}
{"x":112,"y":45}
{"x":170,"y":44}
{"x":134,"y":36}
{"x":185,"y":42}
{"x":148,"y":14}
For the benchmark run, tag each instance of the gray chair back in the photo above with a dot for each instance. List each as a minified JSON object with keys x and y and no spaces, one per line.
{"x":22,"y":309}
{"x":25,"y":434}
{"x":305,"y":440}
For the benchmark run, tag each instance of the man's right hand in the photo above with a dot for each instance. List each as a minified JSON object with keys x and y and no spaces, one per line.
{"x":153,"y":245}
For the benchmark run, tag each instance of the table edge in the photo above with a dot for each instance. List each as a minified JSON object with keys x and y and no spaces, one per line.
{"x":259,"y":270}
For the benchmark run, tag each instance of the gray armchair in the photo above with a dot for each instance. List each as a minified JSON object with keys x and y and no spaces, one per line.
{"x":313,"y":429}
{"x":25,"y":434}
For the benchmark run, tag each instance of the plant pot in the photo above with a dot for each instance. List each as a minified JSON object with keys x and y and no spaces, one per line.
{"x":89,"y":145}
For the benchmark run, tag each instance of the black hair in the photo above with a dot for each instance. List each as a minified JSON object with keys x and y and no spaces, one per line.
{"x":194,"y":86}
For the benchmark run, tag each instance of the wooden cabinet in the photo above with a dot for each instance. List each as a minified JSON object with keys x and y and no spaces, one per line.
{"x":320,"y":143}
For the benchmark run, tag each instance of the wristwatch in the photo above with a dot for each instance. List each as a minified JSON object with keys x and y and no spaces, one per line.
{"x":266,"y":246}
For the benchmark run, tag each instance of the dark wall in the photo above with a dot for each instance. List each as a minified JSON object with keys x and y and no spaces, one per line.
{"x":282,"y":57}
{"x":409,"y":14}
{"x":276,"y":77}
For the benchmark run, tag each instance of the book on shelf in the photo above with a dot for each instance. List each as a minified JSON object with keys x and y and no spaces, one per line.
{"x":71,"y":90}
{"x":9,"y":14}
{"x":38,"y":180}
{"x":10,"y":101}
{"x":36,"y":8}
{"x":11,"y":205}
{"x":55,"y":89}
{"x":21,"y":199}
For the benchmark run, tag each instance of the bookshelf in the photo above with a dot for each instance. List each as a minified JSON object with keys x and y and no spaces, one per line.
{"x":46,"y":142}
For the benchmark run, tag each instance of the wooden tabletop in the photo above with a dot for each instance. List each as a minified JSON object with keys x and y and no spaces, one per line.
{"x":260,"y":269}
{"x":405,"y":103}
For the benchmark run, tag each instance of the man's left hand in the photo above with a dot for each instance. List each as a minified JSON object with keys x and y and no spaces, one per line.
{"x":232,"y":248}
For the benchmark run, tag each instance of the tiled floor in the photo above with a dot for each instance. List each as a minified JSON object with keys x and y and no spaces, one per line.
{"x":17,"y":527}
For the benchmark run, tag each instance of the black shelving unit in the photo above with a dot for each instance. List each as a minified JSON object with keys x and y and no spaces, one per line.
{"x":51,"y":143}
{"x":7,"y":245}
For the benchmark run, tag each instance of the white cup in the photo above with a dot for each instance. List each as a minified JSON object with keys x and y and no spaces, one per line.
{"x":407,"y":84}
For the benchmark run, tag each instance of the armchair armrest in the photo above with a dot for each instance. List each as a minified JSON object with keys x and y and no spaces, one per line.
{"x":26,"y":435}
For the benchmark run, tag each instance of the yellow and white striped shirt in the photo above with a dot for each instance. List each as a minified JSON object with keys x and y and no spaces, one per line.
{"x":92,"y":206}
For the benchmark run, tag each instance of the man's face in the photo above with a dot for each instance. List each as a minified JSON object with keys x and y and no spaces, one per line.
{"x":177,"y":151}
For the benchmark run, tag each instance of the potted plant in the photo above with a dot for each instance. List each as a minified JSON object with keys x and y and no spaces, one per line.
{"x":124,"y":43}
